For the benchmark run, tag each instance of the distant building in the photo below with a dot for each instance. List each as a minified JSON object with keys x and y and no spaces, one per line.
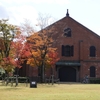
{"x":79,"y":51}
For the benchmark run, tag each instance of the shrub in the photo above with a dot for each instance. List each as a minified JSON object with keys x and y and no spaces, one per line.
{"x":94,"y":80}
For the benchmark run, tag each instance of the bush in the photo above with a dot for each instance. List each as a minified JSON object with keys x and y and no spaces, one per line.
{"x":94,"y":80}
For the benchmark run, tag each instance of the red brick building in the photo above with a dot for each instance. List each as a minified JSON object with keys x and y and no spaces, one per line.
{"x":79,"y":51}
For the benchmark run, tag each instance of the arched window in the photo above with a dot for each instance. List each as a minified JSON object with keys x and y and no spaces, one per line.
{"x":67,"y":50}
{"x":92,"y":51}
{"x":67,"y":32}
{"x":92,"y":71}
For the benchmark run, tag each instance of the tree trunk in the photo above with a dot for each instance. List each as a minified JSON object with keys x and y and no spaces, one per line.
{"x":43,"y":75}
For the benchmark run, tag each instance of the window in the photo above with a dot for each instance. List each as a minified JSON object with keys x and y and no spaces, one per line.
{"x":67,"y":50}
{"x":92,"y":71}
{"x":92,"y":51}
{"x":67,"y":32}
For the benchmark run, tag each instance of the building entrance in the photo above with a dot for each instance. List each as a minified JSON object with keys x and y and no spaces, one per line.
{"x":67,"y":74}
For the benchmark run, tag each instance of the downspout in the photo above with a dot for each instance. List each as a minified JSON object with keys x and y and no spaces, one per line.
{"x":80,"y":59}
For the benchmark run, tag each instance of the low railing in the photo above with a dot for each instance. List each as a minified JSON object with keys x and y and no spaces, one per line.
{"x":52,"y":80}
{"x":14,"y":79}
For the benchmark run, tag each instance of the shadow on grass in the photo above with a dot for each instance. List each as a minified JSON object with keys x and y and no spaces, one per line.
{"x":9,"y":87}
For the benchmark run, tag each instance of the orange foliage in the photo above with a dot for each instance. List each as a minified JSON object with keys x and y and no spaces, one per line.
{"x":41,"y":49}
{"x":9,"y":64}
{"x":15,"y":54}
{"x":53,"y":57}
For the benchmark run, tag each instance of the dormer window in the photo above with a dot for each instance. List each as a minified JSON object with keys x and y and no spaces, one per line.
{"x":67,"y":32}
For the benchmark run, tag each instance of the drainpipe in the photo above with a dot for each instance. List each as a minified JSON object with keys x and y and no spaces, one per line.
{"x":80,"y":58}
{"x":80,"y":49}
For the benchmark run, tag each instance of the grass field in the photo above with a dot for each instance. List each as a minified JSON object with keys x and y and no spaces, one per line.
{"x":51,"y":92}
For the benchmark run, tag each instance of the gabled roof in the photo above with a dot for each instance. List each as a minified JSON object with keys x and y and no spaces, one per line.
{"x":85,"y":27}
{"x":67,"y":16}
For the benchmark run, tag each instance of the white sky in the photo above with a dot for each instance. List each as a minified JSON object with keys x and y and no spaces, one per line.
{"x":87,"y":12}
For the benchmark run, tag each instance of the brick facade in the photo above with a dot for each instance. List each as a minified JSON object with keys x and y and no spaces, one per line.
{"x":81,"y":39}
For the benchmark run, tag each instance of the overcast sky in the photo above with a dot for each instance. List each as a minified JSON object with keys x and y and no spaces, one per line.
{"x":87,"y":12}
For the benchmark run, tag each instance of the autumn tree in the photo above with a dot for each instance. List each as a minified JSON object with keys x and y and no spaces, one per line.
{"x":39,"y":44}
{"x":52,"y":59}
{"x":19,"y":50}
{"x":11,"y":48}
{"x":7,"y":32}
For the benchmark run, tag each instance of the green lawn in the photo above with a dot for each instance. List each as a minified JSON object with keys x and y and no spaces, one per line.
{"x":51,"y":92}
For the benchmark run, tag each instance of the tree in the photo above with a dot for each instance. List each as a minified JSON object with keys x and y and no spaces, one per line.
{"x":7,"y":32}
{"x":52,"y":59}
{"x":12,"y":46}
{"x":44,"y":20}
{"x":41,"y":44}
{"x":27,"y":28}
{"x":17,"y":47}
